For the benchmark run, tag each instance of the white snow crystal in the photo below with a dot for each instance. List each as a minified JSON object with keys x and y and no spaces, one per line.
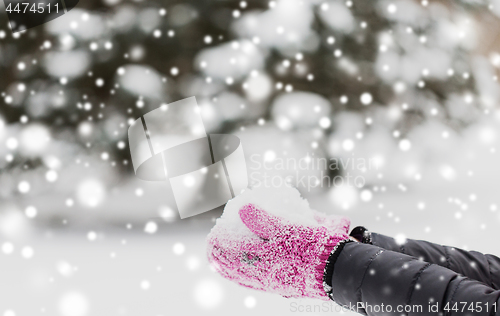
{"x":24,"y":187}
{"x":400,"y":239}
{"x":179,"y":248}
{"x":65,"y":268}
{"x":51,"y":176}
{"x":27,"y":252}
{"x":250,"y":302}
{"x":151,"y":227}
{"x":208,"y":293}
{"x":145,"y":285}
{"x":91,"y":236}
{"x":90,"y":192}
{"x":404,"y":145}
{"x":30,"y":211}
{"x":73,"y":304}
{"x":7,"y":248}
{"x":366,"y":98}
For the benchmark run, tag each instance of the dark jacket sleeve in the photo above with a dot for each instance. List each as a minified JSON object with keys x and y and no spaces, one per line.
{"x":374,"y":281}
{"x":472,"y":264}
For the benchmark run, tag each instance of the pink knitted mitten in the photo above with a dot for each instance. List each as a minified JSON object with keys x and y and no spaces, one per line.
{"x":277,"y":256}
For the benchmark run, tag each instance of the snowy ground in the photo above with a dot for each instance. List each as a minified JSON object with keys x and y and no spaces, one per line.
{"x":124,"y":271}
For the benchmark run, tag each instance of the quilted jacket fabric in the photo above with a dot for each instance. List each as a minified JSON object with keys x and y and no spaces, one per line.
{"x":382,"y":277}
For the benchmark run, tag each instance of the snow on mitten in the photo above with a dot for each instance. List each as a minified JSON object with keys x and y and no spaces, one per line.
{"x":333,"y":222}
{"x":276,"y":255}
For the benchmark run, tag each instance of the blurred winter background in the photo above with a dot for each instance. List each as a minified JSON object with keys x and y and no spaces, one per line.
{"x":410,"y":86}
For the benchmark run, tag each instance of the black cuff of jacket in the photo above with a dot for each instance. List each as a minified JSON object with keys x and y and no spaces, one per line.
{"x":362,"y":234}
{"x":328,"y":274}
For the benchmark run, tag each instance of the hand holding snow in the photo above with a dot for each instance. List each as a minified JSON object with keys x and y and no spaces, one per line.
{"x":270,"y":240}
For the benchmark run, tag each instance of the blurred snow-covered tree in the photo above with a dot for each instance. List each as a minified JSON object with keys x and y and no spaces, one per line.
{"x":74,"y":84}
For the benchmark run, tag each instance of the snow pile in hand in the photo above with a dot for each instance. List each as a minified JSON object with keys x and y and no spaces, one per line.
{"x":284,"y":202}
{"x":269,"y":239}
